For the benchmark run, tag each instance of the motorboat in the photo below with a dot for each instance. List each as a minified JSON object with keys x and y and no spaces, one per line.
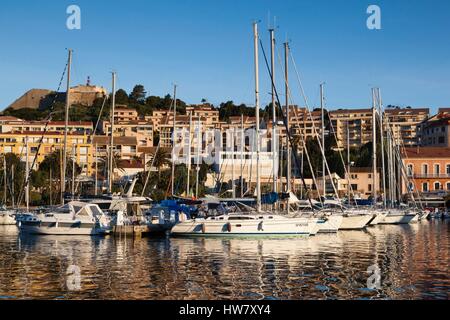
{"x":74,"y":218}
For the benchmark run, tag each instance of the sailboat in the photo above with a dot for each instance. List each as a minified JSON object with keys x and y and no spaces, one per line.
{"x":257,"y":223}
{"x":7,"y":217}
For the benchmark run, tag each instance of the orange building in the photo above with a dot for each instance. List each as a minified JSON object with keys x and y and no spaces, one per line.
{"x":428,"y":168}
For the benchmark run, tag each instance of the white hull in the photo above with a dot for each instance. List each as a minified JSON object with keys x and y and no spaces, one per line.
{"x":399,"y":219}
{"x":57,"y":231}
{"x":281,"y":227}
{"x":380,"y":216}
{"x":355,"y":222}
{"x":331,"y":225}
{"x":7,"y":219}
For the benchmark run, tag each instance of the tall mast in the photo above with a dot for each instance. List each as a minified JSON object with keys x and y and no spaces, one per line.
{"x":27,"y":173}
{"x":74,"y":157}
{"x":188,"y":183}
{"x":258,"y":143}
{"x":233,"y":165}
{"x":111,"y":147}
{"x":349,"y":164}
{"x":12,"y":186}
{"x":174,"y":137}
{"x":242,"y":154}
{"x":274,"y":111}
{"x":323,"y":140}
{"x":5,"y":179}
{"x":66,"y":124}
{"x":199,"y":146}
{"x":288,"y":151}
{"x":96,"y":170}
{"x":381,"y":117}
{"x":374,"y":149}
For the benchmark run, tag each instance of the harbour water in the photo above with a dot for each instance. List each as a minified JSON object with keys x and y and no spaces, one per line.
{"x":413,"y":261}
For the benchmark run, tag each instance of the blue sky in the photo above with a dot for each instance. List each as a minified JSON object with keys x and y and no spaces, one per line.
{"x":205,"y":46}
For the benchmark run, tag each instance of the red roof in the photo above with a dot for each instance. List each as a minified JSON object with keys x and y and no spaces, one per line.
{"x":427,"y":152}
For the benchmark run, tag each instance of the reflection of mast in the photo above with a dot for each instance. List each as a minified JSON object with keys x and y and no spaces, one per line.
{"x":27,"y":173}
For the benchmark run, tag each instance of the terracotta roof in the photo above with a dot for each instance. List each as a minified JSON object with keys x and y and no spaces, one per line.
{"x":103,"y":140}
{"x":152,"y":150}
{"x":407,"y":110}
{"x":10,"y":118}
{"x":127,"y":164}
{"x":41,"y":133}
{"x":427,"y":152}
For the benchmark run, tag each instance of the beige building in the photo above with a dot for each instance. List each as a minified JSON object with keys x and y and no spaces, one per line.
{"x":141,"y":130}
{"x":18,"y":125}
{"x":435,"y":131}
{"x":361,"y":180}
{"x":125,"y":148}
{"x":404,"y":123}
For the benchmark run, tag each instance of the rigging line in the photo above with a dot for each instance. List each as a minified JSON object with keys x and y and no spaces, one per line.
{"x":303,"y":137}
{"x":322,"y":148}
{"x":342,"y":159}
{"x":158,"y":148}
{"x":99,"y":117}
{"x":291,"y":141}
{"x":48,"y":119}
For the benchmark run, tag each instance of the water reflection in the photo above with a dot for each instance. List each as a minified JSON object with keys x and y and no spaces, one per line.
{"x":413,"y":262}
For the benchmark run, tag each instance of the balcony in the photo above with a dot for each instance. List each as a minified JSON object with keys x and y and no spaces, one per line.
{"x":431,"y":176}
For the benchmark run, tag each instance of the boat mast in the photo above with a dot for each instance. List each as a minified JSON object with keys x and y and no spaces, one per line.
{"x":242,"y":154}
{"x":322,"y":98}
{"x":274,"y":111}
{"x":258,"y":145}
{"x":349,"y":164}
{"x":374,"y":148}
{"x":66,"y":123}
{"x":74,"y":157}
{"x":288,"y":149}
{"x":111,"y":147}
{"x":199,"y":146}
{"x":381,"y":118}
{"x":96,"y":170}
{"x":27,"y":173}
{"x":233,"y":182}
{"x":5,"y":179}
{"x":174,"y":137}
{"x":12,"y":186}
{"x":188,"y":183}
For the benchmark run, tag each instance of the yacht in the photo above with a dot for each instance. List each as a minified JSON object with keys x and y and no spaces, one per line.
{"x":352,"y":218}
{"x":237,"y":224}
{"x":74,"y":218}
{"x":7,"y":217}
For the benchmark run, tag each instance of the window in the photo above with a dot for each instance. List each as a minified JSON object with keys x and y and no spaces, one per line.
{"x":425,"y":187}
{"x":437,"y":186}
{"x":425,"y":169}
{"x":448,"y":186}
{"x":437,"y":169}
{"x":411,"y":170}
{"x":370,"y":187}
{"x":448,"y":169}
{"x":441,"y":140}
{"x":411,"y":187}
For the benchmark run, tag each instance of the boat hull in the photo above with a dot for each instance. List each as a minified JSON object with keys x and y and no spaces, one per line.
{"x":399,"y":219}
{"x":203,"y":228}
{"x":379,"y":217}
{"x":331,"y":225}
{"x":38,"y":229}
{"x":355,"y":222}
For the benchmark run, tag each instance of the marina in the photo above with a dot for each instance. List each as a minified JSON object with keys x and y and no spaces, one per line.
{"x":413,"y":260}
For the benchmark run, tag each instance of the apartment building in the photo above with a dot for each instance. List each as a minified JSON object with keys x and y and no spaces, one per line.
{"x":50,"y":142}
{"x":140,"y":129}
{"x":124,"y":114}
{"x":125,"y":148}
{"x":404,"y":123}
{"x":18,"y":125}
{"x":435,"y":132}
{"x":357,"y":124}
{"x":428,"y":169}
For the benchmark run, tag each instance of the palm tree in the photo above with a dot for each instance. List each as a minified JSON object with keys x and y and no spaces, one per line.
{"x":159,"y":159}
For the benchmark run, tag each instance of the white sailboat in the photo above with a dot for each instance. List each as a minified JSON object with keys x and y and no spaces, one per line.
{"x":7,"y":217}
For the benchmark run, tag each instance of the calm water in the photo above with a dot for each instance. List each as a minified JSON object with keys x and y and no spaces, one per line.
{"x":414,"y":264}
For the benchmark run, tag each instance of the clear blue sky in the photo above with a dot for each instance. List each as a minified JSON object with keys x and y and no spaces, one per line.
{"x":205,"y":46}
